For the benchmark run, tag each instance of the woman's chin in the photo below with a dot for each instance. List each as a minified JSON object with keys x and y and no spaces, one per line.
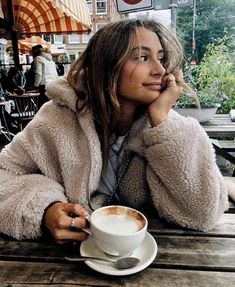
{"x":154,"y":97}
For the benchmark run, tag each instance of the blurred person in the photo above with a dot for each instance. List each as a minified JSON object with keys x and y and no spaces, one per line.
{"x":109,"y":136}
{"x":22,"y":76}
{"x":45,"y":71}
{"x":60,"y":69}
{"x":30,"y":73}
{"x":30,"y":77}
{"x":14,"y":81}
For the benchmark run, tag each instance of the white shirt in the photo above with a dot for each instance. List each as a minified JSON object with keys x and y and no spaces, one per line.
{"x":109,"y":175}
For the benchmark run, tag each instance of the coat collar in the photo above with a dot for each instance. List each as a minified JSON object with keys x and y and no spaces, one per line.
{"x":61,"y":93}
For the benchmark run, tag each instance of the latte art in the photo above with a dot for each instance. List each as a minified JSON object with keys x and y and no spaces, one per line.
{"x":117,"y":224}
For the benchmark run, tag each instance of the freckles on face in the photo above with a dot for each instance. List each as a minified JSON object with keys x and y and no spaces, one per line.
{"x":141,"y":76}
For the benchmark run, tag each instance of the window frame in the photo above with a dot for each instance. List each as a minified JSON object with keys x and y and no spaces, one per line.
{"x":106,"y":7}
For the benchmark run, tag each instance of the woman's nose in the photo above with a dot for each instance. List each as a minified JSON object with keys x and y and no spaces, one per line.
{"x":158,"y":68}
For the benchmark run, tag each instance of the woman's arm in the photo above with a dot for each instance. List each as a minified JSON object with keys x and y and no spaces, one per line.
{"x":185,"y":183}
{"x":24,"y":191}
{"x":40,"y":167}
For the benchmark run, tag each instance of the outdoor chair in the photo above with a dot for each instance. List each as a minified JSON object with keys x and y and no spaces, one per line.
{"x":5,"y":132}
{"x":26,"y":106}
{"x":4,"y":129}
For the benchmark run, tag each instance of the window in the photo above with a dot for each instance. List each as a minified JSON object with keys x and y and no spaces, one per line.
{"x":89,"y":4}
{"x":58,"y":39}
{"x":74,"y":38}
{"x":72,"y":57}
{"x":101,"y":6}
{"x":86,"y":38}
{"x":47,"y":38}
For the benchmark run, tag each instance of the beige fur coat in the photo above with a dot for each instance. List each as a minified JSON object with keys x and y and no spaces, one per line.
{"x":58,"y":158}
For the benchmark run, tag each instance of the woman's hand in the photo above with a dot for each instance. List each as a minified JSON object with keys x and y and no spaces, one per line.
{"x":58,"y":218}
{"x":158,"y":110}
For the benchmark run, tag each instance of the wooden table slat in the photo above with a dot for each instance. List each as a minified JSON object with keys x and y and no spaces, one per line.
{"x":204,"y":253}
{"x":224,"y":228}
{"x":190,"y":252}
{"x":220,"y":126}
{"x":16,"y":274}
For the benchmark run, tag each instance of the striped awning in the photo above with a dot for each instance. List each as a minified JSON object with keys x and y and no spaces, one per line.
{"x":34,"y":17}
{"x":25,"y":45}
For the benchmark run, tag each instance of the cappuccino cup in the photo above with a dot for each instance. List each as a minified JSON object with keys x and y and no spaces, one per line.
{"x":118,"y":230}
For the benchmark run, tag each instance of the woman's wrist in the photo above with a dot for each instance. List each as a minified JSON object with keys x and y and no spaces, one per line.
{"x":46,"y":209}
{"x":156,"y":119}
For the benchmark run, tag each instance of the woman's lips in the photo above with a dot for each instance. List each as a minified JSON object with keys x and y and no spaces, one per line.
{"x":153,"y":86}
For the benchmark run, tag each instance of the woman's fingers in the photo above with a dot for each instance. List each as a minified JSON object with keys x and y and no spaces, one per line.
{"x":75,"y":208}
{"x":65,"y":235}
{"x":171,"y":91}
{"x":71,"y":229}
{"x":178,"y":75}
{"x":179,"y":79}
{"x":175,"y":77}
{"x":174,"y":80}
{"x":171,"y":81}
{"x":65,"y":221}
{"x":76,"y":222}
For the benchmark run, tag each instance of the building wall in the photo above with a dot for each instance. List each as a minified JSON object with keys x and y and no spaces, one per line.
{"x":101,"y":12}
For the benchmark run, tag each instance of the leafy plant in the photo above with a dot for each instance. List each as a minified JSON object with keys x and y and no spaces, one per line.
{"x":215,"y":68}
{"x":213,"y":78}
{"x":63,"y":58}
{"x":206,"y":101}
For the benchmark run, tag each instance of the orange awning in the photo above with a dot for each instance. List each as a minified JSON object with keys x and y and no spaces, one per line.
{"x":34,"y":17}
{"x":25,"y":45}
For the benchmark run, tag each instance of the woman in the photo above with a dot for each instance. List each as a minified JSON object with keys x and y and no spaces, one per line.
{"x":108,"y":135}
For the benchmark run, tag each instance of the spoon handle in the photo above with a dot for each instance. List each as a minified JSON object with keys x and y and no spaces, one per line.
{"x":85,"y":258}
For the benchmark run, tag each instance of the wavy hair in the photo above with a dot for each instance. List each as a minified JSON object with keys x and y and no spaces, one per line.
{"x":94,"y":75}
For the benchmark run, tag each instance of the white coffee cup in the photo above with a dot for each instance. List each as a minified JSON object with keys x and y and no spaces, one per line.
{"x":118,"y":230}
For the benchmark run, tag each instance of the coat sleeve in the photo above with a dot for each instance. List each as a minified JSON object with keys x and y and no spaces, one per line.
{"x":184,"y":180}
{"x":38,"y":71}
{"x":24,"y":191}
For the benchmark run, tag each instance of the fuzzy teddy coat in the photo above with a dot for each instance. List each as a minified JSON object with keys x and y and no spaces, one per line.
{"x":57,"y":157}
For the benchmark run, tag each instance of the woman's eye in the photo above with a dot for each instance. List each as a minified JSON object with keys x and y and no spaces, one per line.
{"x":143,"y":58}
{"x":161,"y":60}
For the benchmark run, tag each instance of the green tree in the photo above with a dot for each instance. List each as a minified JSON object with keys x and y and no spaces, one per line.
{"x":214,"y":18}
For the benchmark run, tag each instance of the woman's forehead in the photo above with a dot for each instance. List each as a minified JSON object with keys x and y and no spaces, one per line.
{"x":144,"y":37}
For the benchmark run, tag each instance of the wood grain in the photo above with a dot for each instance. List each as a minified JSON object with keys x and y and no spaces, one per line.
{"x":16,"y":274}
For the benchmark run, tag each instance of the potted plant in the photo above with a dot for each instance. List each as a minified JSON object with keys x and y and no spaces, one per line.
{"x":213,"y":80}
{"x":203,"y":109}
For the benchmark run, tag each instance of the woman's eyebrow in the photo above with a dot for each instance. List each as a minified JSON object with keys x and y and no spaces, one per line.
{"x":145,"y":48}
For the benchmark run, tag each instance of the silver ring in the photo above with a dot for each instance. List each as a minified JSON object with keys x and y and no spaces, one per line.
{"x":73,"y":225}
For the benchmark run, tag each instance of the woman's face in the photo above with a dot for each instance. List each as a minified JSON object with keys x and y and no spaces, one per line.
{"x":141,"y":76}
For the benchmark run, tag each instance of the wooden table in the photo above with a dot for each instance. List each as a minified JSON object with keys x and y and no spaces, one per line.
{"x":220,"y":126}
{"x":185,"y":258}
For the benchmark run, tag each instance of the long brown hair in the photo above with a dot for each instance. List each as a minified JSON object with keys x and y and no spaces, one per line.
{"x":94,"y":75}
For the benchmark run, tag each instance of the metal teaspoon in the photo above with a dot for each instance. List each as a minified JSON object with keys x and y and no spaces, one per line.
{"x":122,"y":263}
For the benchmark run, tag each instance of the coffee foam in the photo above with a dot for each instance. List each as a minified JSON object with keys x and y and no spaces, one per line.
{"x":117,"y":224}
{"x":119,"y":220}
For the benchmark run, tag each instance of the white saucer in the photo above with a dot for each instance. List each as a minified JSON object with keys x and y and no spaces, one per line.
{"x":146,"y":253}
